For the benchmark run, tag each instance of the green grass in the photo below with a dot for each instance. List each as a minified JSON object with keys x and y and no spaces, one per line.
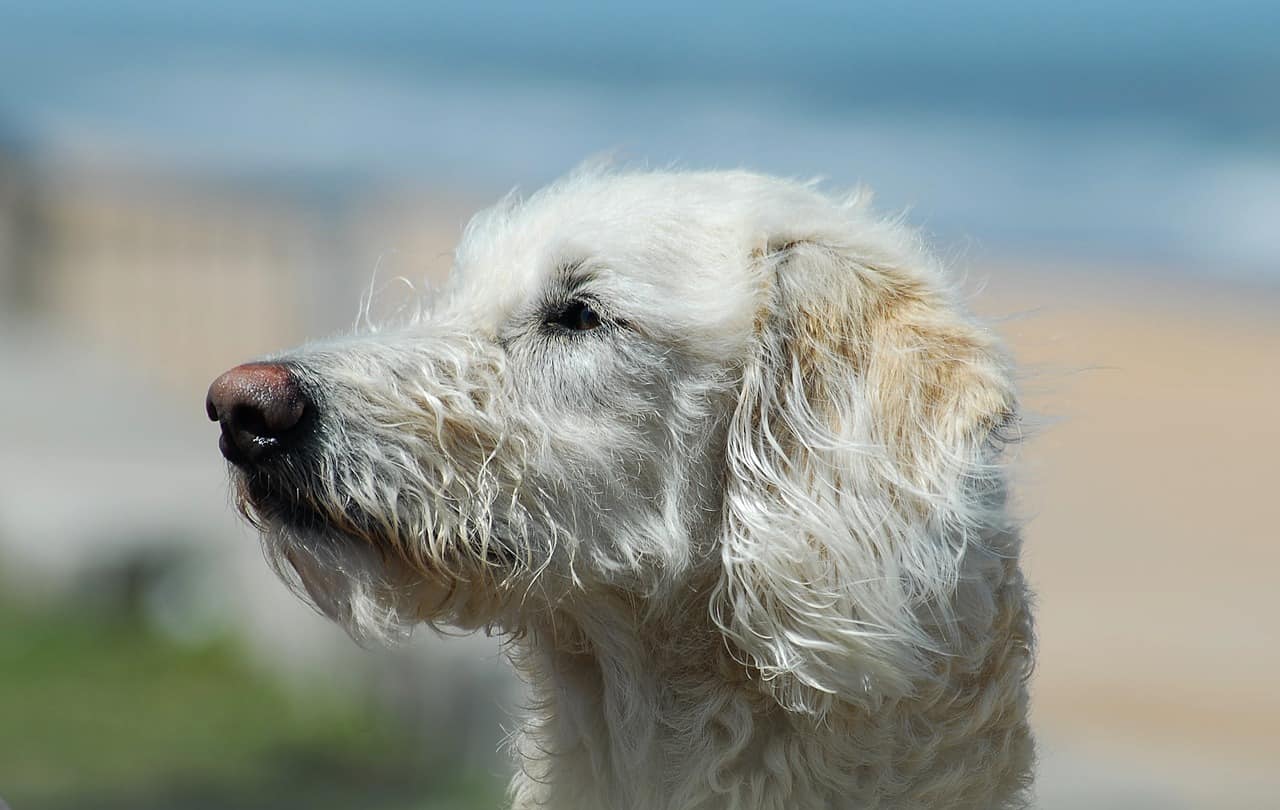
{"x":99,"y":713}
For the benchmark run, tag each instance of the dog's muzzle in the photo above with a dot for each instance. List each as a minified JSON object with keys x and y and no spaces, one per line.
{"x":263,"y":412}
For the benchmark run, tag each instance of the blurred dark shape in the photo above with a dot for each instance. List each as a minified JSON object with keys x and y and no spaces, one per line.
{"x":122,"y":585}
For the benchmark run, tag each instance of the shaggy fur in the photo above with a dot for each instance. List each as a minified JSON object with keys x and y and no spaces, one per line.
{"x":747,"y":534}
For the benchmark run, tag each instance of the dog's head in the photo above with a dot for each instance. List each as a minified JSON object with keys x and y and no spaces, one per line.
{"x":642,"y":385}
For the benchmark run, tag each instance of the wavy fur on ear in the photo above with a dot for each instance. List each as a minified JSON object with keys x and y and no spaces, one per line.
{"x":864,"y":530}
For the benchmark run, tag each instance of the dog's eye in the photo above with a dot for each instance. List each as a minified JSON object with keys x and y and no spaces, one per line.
{"x":578,"y":316}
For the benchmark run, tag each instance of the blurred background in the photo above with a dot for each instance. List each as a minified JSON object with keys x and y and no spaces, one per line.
{"x":184,"y":185}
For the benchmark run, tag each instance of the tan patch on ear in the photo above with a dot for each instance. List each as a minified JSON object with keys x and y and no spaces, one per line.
{"x":928,"y":373}
{"x":929,"y":370}
{"x":937,"y":389}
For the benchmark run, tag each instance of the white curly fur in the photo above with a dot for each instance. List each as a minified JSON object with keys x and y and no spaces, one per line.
{"x":748,"y":536}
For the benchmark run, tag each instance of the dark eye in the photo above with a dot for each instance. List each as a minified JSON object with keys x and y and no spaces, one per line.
{"x":578,"y":316}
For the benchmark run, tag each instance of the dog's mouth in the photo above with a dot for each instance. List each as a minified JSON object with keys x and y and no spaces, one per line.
{"x":269,"y":502}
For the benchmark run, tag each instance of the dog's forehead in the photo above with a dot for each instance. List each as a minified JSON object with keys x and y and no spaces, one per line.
{"x":681,"y":243}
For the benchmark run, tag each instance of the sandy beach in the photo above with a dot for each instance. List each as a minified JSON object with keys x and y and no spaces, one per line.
{"x":1149,"y":486}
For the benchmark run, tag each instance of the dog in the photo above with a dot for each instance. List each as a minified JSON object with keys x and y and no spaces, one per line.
{"x":721,"y":454}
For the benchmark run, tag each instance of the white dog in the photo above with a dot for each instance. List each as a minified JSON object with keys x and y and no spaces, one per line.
{"x":720,"y":454}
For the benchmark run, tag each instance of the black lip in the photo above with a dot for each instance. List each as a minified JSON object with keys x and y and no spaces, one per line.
{"x":278,"y":503}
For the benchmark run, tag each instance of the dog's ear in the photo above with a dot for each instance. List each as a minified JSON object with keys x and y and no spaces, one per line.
{"x":861,"y":473}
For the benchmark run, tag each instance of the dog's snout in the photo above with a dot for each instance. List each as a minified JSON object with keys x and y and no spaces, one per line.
{"x":260,"y":407}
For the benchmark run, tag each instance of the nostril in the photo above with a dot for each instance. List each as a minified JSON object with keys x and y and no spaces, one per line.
{"x":251,"y":419}
{"x":259,"y":405}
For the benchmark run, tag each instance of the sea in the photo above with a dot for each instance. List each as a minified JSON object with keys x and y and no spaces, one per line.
{"x":1141,"y":132}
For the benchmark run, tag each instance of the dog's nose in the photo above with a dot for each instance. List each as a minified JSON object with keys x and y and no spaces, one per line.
{"x":260,"y":407}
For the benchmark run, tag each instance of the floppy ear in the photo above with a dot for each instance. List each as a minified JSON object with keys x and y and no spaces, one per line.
{"x":861,"y":474}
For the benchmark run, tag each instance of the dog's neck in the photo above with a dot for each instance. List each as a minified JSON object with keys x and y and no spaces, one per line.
{"x":622,"y":694}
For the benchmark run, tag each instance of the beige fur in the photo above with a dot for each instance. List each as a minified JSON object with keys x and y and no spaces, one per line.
{"x":748,"y":536}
